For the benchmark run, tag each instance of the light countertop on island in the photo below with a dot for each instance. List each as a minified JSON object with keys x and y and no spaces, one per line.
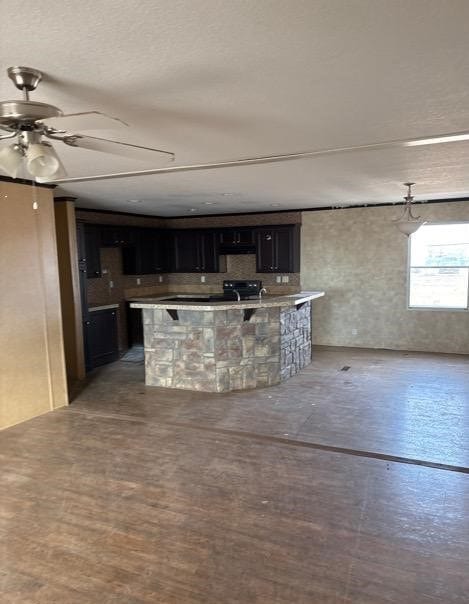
{"x":205,"y":304}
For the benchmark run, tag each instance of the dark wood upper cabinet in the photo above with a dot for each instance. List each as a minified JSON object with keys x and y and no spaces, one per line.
{"x":185,"y":257}
{"x":146,"y":253}
{"x":116,"y":236}
{"x":278,"y":249}
{"x":92,"y":259}
{"x":233,"y":238}
{"x":208,"y":252}
{"x":194,"y":251}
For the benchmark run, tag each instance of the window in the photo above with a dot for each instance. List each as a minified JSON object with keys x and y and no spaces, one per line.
{"x":439,"y":266}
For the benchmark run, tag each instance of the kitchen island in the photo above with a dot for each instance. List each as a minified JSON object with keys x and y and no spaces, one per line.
{"x":197,"y":344}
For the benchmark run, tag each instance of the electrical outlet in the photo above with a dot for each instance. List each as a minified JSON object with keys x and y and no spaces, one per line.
{"x":354,"y":332}
{"x":285,"y":278}
{"x":202,"y":278}
{"x":278,"y":279}
{"x":104,"y":271}
{"x":139,"y":281}
{"x":111,"y":284}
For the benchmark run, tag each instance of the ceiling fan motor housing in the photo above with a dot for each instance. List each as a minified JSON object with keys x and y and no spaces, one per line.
{"x":16,"y":113}
{"x":25,"y":78}
{"x":21,"y":114}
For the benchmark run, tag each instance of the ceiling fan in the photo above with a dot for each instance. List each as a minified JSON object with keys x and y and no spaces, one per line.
{"x":32,"y":123}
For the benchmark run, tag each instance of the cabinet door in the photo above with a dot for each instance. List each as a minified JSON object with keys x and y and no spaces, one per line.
{"x":278,"y":249}
{"x":186,"y":251}
{"x":161,"y":251}
{"x":228,"y":236}
{"x":287,"y":248}
{"x":102,"y":342}
{"x":208,"y":252}
{"x":234,"y":237}
{"x":92,"y":255}
{"x":147,"y":254}
{"x":265,"y":253}
{"x":115,"y":236}
{"x":283,"y":251}
{"x":145,"y":251}
{"x":245,"y":236}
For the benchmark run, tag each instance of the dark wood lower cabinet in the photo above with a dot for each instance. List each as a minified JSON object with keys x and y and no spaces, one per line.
{"x":101,"y":338}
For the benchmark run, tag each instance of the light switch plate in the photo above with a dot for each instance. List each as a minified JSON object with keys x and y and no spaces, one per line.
{"x":202,"y":278}
{"x":278,"y":279}
{"x":139,"y":281}
{"x":160,"y":278}
{"x":285,"y":278}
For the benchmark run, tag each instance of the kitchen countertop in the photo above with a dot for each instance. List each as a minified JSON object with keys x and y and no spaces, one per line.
{"x":266,"y":302}
{"x":105,"y":307}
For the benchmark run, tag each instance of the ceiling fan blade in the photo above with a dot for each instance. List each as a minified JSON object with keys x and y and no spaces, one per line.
{"x":89,"y":120}
{"x":117,"y":148}
{"x":450,"y":137}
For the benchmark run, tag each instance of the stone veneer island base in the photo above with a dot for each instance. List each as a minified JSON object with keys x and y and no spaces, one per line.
{"x":223,"y":346}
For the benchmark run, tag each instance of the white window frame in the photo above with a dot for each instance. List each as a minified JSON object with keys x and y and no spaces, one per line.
{"x":433,"y":308}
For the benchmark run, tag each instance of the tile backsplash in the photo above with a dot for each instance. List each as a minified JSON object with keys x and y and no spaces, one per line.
{"x":114,"y":287}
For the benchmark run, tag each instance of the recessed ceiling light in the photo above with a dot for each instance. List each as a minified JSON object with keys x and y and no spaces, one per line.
{"x":227,"y":194}
{"x":193,"y":210}
{"x":134,"y":201}
{"x":209,"y":203}
{"x":275,"y":205}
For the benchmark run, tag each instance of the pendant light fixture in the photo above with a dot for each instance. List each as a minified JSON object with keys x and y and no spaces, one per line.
{"x":408,"y":223}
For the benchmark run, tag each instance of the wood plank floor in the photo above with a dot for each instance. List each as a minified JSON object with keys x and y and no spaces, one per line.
{"x":283,"y":495}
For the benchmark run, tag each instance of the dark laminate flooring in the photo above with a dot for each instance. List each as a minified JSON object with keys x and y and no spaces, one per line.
{"x":290,"y":494}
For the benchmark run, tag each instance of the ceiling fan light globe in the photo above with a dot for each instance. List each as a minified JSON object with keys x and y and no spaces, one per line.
{"x":42,"y":160}
{"x":11,"y":159}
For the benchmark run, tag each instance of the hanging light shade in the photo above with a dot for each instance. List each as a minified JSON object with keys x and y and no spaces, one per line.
{"x":42,"y":160}
{"x":407,"y":223}
{"x":11,"y":159}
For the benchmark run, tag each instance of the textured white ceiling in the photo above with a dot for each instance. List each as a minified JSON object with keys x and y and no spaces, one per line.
{"x":220,"y":79}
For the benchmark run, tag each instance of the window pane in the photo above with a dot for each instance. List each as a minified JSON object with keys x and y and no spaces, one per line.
{"x":438,"y":287}
{"x":440,"y":245}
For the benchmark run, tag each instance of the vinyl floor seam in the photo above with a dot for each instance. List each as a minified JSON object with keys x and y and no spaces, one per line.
{"x":290,"y":442}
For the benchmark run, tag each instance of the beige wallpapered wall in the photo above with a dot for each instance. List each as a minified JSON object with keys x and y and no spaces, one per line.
{"x":360,"y":260}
